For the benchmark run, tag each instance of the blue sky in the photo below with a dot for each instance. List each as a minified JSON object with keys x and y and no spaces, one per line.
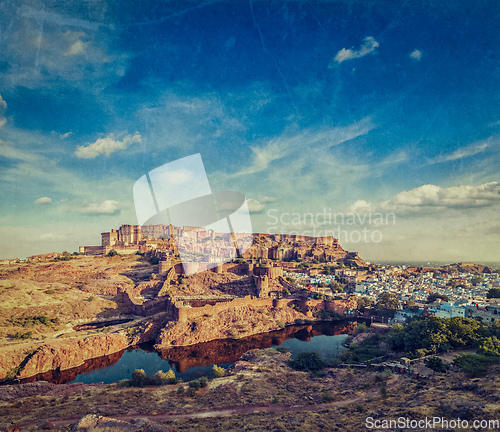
{"x":362,"y":107}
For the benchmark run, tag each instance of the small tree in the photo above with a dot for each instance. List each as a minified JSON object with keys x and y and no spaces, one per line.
{"x":436,"y":364}
{"x":218,"y":371}
{"x":493,"y":293}
{"x":112,"y":253}
{"x":138,"y":378}
{"x":163,"y":378}
{"x":308,"y":361}
{"x":489,"y":346}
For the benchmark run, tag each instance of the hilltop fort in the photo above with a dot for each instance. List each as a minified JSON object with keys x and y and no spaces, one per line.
{"x":212,"y":246}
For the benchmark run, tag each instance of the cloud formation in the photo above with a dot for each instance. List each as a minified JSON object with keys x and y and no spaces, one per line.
{"x":76,"y":48}
{"x":469,"y":150}
{"x":290,"y":142}
{"x":368,"y":47}
{"x":106,"y":146}
{"x":435,"y":198}
{"x":3,"y":107}
{"x":108,"y":207}
{"x":43,"y":201}
{"x":255,"y":206}
{"x":416,"y":55}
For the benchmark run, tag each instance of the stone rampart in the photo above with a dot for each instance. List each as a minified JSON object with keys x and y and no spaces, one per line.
{"x":186,"y":314}
{"x":181,"y":312}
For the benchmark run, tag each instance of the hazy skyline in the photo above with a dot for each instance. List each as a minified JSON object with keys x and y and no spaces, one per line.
{"x":348,"y":107}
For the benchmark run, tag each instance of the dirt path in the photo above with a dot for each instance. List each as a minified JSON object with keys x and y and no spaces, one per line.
{"x":248,"y":409}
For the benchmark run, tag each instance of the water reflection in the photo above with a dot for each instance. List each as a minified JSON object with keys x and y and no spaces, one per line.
{"x":190,"y":362}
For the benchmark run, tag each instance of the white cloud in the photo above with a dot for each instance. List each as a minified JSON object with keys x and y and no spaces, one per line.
{"x":368,"y":47}
{"x":108,"y":207}
{"x":77,"y":48}
{"x":51,"y":237}
{"x":43,"y":201}
{"x":9,"y":151}
{"x":470,"y":150}
{"x":3,"y":107}
{"x":255,"y":206}
{"x":432,"y":198}
{"x":56,"y":56}
{"x":266,"y":199}
{"x":106,"y":146}
{"x":416,"y":55}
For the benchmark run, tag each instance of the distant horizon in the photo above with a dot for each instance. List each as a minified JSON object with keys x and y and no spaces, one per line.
{"x":393,"y":262}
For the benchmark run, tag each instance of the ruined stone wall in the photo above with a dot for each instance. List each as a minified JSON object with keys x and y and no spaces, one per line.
{"x":147,"y":308}
{"x":239,"y":269}
{"x":122,"y":250}
{"x":286,"y":284}
{"x":164,"y":266}
{"x":179,"y":312}
{"x":186,"y":314}
{"x":91,"y":250}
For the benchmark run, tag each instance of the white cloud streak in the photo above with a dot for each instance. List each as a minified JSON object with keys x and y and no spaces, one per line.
{"x":106,"y":146}
{"x":108,"y":207}
{"x":3,"y":107}
{"x":43,"y":201}
{"x":289,"y":143}
{"x":368,"y":47}
{"x":466,"y":151}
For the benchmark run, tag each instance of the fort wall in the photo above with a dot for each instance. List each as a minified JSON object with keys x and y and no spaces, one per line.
{"x":178,"y":311}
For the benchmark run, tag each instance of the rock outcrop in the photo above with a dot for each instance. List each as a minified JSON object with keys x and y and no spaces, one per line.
{"x":66,"y":354}
{"x":231,"y":323}
{"x":71,"y":353}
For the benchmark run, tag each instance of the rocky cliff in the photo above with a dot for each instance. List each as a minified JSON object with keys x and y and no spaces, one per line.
{"x":231,"y":323}
{"x":69,"y":353}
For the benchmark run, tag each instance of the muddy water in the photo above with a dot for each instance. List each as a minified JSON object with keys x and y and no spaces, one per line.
{"x":197,"y":360}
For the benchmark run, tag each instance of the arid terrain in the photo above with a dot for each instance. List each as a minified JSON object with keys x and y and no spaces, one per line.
{"x":46,"y":308}
{"x":262,"y":393}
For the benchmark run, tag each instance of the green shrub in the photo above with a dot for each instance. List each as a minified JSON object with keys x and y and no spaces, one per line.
{"x":123,"y":383}
{"x":280,"y":324}
{"x":50,"y":291}
{"x":194,"y":384}
{"x":112,"y":253}
{"x":191,"y":391}
{"x":203,"y":381}
{"x":138,"y":378}
{"x":218,"y":371}
{"x":327,"y":396}
{"x":19,"y":335}
{"x":282,"y":349}
{"x":489,"y":346}
{"x":361,"y":328}
{"x":180,"y":390}
{"x":474,"y":364}
{"x":164,"y":378}
{"x":383,"y":392}
{"x":308,"y":361}
{"x":436,"y":364}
